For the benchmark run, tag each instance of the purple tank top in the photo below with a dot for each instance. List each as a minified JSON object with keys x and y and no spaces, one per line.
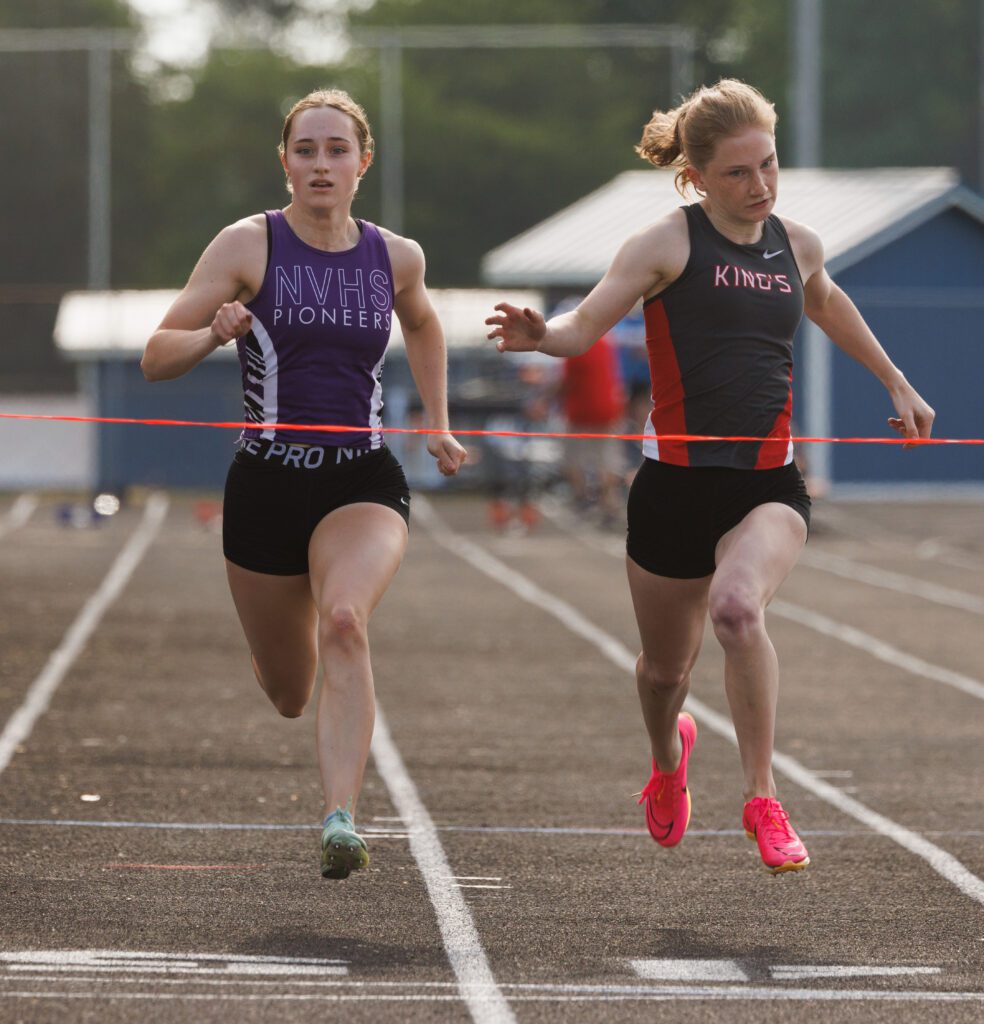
{"x":321,"y":323}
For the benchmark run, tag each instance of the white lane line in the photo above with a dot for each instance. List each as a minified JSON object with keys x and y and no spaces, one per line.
{"x":688,"y":970}
{"x":555,"y":994}
{"x":887,"y":580}
{"x":293,"y":984}
{"x":40,"y":692}
{"x":821,"y":623}
{"x":945,"y":864}
{"x":519,"y":830}
{"x":461,"y":939}
{"x":19,"y":513}
{"x":801,"y":972}
{"x":936,"y":549}
{"x":187,"y":970}
{"x":191,"y":826}
{"x":111,"y":961}
{"x":877,"y":648}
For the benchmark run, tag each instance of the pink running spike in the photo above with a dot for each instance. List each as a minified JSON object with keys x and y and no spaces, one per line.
{"x":666,"y":795}
{"x":766,"y":822}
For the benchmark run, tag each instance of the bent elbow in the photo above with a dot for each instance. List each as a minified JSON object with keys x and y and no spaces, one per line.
{"x":149,"y":365}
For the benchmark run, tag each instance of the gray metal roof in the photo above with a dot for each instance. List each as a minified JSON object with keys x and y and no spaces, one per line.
{"x":855,"y":213}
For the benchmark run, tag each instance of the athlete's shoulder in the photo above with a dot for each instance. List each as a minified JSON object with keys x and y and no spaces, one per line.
{"x":807,"y":247}
{"x":662,"y":248}
{"x":671,"y":227}
{"x":660,"y":237}
{"x":237,"y":253}
{"x":243,"y":234}
{"x":406,"y":256}
{"x":399,"y":245}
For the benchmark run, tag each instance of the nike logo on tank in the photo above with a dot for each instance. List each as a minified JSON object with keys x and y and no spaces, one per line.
{"x":768,"y":255}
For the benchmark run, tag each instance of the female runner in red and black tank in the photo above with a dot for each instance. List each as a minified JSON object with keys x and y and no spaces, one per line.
{"x":314,"y":523}
{"x":714,"y":525}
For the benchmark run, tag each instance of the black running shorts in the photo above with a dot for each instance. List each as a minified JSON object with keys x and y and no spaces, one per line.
{"x":276,"y":493}
{"x":677,"y":514}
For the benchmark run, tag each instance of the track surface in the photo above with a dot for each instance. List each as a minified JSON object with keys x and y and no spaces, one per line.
{"x":158,"y":851}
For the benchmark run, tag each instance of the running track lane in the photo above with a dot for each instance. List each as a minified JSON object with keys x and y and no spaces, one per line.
{"x":945,"y":864}
{"x":476,"y":984}
{"x":40,"y":692}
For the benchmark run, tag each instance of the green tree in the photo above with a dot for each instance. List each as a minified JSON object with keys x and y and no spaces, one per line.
{"x":900,"y":83}
{"x":44,"y":122}
{"x":215,"y":154}
{"x":496,"y":140}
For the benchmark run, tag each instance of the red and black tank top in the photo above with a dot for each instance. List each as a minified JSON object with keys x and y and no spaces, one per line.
{"x":720,"y":342}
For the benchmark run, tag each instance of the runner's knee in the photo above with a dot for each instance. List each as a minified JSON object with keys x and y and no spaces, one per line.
{"x":658,"y":676}
{"x":736,"y":617}
{"x":342,"y":626}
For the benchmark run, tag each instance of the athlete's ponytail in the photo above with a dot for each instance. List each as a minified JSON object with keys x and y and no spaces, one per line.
{"x":662,"y":144}
{"x":688,"y":134}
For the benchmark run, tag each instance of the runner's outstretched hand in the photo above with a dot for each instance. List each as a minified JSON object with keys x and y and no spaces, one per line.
{"x":518,"y":330}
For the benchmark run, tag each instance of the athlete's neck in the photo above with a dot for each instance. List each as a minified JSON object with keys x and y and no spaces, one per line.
{"x":741,"y":232}
{"x":330,"y":230}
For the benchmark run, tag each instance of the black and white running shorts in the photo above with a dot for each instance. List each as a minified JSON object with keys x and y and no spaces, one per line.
{"x":276,"y":493}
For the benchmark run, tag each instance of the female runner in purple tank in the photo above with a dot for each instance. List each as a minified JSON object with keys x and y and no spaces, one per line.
{"x":315,"y":523}
{"x":715,"y":527}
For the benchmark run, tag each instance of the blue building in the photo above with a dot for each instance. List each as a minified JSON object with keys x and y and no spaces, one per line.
{"x":907,"y":244}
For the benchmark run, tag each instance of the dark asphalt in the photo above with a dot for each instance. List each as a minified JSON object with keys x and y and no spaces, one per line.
{"x":525,"y":745}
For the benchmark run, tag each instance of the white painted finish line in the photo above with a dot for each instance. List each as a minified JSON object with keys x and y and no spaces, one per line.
{"x":705,"y":971}
{"x":481,"y":882}
{"x":945,"y":864}
{"x":579,"y":994}
{"x":688,"y":970}
{"x":110,"y":961}
{"x":801,"y":972}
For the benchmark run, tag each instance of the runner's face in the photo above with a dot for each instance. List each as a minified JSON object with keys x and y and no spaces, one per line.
{"x":322,"y":157}
{"x":742,"y":178}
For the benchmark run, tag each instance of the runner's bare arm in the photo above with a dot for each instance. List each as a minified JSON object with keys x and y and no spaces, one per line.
{"x":426,"y":349}
{"x":830,"y":308}
{"x":643,"y":266}
{"x":209,"y":311}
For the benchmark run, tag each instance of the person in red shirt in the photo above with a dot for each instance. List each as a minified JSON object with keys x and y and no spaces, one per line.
{"x":593,"y":402}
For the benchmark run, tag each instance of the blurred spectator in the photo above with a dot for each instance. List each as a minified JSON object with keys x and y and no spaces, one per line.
{"x":593,"y":401}
{"x":520,"y":467}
